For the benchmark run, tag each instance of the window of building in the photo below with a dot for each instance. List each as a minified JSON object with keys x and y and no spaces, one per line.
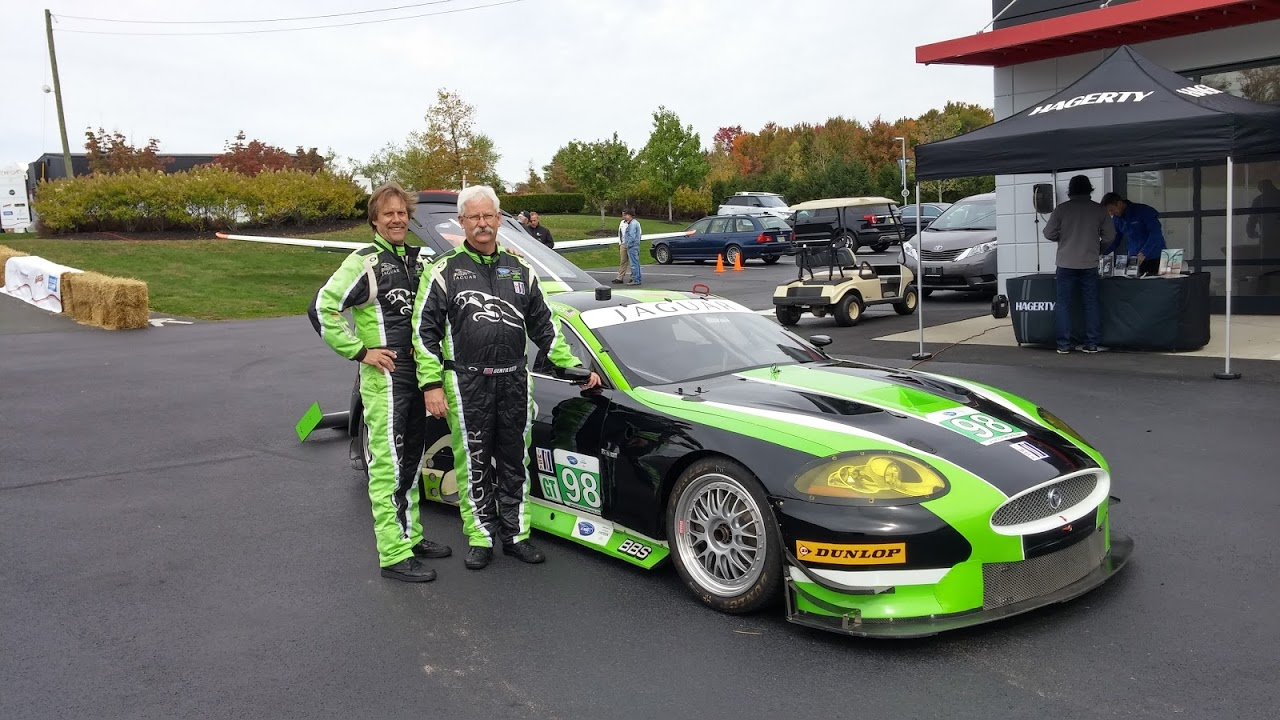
{"x":1258,"y":81}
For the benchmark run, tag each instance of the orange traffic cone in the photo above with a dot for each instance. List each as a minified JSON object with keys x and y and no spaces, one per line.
{"x":737,"y":262}
{"x":719,"y":263}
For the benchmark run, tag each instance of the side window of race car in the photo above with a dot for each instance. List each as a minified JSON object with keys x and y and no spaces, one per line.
{"x":540,"y":364}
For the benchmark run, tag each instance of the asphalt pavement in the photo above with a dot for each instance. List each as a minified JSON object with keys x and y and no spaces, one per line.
{"x":171,"y":550}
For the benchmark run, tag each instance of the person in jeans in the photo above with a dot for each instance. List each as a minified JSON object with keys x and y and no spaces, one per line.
{"x":624,"y":261}
{"x":1080,"y":227}
{"x":630,"y":231}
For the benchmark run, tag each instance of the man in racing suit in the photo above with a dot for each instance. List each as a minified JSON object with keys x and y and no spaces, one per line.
{"x":378,"y":283}
{"x":476,"y":310}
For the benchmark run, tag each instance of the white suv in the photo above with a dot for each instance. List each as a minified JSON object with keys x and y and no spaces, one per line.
{"x":755,"y":203}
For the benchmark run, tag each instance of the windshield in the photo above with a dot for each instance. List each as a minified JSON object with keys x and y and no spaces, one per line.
{"x":967,"y":215}
{"x":443,"y":232}
{"x":658,"y":349}
{"x":772,"y":201}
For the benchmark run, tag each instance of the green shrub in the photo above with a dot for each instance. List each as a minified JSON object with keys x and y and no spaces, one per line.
{"x":203,"y":198}
{"x":545,"y":203}
{"x":691,"y":204}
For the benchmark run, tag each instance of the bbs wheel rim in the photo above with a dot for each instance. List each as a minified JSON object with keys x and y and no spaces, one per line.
{"x":664,"y":255}
{"x":731,"y":255}
{"x":720,"y":535}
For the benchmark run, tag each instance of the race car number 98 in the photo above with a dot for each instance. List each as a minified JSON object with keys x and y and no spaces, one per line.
{"x":974,"y":425}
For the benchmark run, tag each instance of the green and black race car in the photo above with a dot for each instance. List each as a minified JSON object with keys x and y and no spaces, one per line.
{"x":872,"y":501}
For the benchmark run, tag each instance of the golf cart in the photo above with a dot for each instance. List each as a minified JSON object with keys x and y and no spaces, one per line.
{"x":847,"y":286}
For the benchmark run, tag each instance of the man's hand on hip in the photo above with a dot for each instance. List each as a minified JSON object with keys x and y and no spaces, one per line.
{"x":437,"y":406}
{"x":380,"y":358}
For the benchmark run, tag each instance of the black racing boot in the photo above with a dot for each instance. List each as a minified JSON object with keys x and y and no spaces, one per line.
{"x":428,"y":549}
{"x":409,"y":570}
{"x":478,"y":557}
{"x":524,"y":551}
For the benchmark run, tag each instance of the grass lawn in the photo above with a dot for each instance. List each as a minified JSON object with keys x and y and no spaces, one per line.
{"x":228,"y":279}
{"x":206,"y":279}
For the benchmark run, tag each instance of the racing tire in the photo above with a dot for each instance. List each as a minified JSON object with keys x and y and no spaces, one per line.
{"x":788,"y":315}
{"x":849,"y":310}
{"x":730,"y":253}
{"x":662,"y":254}
{"x":770,"y":259}
{"x":910,"y":300}
{"x":724,"y":539}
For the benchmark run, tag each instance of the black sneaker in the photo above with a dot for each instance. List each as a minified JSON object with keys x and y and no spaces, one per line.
{"x":524,"y":551}
{"x":409,"y":570}
{"x":616,"y":281}
{"x":1064,"y":350}
{"x":1091,"y":349}
{"x":478,"y":557}
{"x":428,"y":549}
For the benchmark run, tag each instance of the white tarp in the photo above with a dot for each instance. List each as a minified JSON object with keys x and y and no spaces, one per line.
{"x":35,"y":280}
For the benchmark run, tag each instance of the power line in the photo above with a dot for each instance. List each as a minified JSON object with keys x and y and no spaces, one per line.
{"x":237,"y":22}
{"x":276,"y":30}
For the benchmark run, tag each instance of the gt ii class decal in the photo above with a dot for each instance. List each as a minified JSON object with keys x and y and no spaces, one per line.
{"x":576,"y":481}
{"x":878,"y":554}
{"x":975,"y":425}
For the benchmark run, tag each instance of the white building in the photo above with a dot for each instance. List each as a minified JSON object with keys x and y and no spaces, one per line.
{"x":1039,"y":47}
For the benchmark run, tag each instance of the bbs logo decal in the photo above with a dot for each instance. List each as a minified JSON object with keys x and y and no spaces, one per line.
{"x":637,"y":550}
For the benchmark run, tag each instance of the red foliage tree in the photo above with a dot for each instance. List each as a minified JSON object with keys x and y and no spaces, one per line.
{"x":113,"y":153}
{"x":255,"y":156}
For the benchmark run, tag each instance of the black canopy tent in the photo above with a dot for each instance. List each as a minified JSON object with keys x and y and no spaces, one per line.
{"x":1127,"y":110}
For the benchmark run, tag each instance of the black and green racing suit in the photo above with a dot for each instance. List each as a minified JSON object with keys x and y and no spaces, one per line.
{"x":473,"y":318}
{"x":394,"y":414}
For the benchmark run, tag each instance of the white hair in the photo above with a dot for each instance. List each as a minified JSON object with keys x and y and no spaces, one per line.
{"x":478,"y":192}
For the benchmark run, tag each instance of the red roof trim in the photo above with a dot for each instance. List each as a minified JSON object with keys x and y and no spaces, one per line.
{"x":1128,"y":24}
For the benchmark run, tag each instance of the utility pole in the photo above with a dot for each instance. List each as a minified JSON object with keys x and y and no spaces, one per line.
{"x":57,"y":95}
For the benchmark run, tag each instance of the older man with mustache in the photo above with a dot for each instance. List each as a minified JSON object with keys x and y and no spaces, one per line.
{"x":476,"y":310}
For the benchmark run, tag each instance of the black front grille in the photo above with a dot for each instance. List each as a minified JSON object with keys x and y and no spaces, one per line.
{"x":804,"y":292}
{"x":1012,"y":582}
{"x":1046,"y":501}
{"x":940,"y":255}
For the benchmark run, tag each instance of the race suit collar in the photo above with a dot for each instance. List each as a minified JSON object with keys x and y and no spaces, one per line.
{"x":385,"y":244}
{"x":478,"y":256}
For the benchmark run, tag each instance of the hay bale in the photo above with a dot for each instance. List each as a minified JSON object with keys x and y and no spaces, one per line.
{"x":107,"y":302}
{"x":5,"y":254}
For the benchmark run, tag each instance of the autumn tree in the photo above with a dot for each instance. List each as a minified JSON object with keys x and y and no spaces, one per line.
{"x":113,"y":153}
{"x":450,"y":153}
{"x":531,"y":184}
{"x":673,"y":156}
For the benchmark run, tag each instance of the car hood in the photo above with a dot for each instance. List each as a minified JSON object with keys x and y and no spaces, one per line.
{"x":942,"y":240}
{"x":845,"y":407}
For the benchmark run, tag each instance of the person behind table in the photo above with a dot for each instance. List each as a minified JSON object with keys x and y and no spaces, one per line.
{"x":1138,"y":228}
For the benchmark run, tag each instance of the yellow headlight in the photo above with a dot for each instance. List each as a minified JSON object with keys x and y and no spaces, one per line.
{"x":883,"y":477}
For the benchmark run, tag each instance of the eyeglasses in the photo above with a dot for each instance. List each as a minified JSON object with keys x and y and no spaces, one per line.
{"x":486,"y":217}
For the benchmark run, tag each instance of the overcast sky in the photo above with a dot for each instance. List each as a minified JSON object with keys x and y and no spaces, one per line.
{"x":539,"y":72}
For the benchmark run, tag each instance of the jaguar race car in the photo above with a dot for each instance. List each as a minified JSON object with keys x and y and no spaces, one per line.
{"x":871,"y":501}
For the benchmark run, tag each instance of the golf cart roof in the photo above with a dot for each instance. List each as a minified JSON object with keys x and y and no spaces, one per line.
{"x":842,"y":202}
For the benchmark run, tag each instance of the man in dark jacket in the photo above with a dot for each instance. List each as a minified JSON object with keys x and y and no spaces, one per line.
{"x":537,"y":230}
{"x":1138,"y":228}
{"x":1080,"y":226}
{"x":477,"y":308}
{"x":378,"y":284}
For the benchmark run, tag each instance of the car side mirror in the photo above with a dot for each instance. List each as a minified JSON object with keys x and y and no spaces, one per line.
{"x":820,"y":340}
{"x":576,"y":375}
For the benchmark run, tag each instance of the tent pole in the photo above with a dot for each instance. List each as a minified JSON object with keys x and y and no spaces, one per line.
{"x":922,"y":355}
{"x":1226,"y":373}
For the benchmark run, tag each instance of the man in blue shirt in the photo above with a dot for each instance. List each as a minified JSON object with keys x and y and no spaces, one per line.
{"x":630,"y":231}
{"x":1138,"y":226}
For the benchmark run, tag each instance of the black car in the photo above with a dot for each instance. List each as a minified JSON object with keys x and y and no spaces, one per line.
{"x":848,"y":222}
{"x":929,"y":212}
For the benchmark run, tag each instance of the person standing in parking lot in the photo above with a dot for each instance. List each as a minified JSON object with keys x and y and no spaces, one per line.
{"x":1080,"y":227}
{"x":630,"y":233}
{"x":537,"y":230}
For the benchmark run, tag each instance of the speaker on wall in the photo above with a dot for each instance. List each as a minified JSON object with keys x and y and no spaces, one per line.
{"x":1042,"y":197}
